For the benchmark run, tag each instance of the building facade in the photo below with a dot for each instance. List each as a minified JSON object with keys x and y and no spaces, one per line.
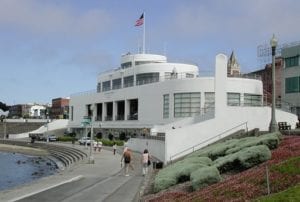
{"x":266,"y":77}
{"x":60,"y":108}
{"x":291,"y":77}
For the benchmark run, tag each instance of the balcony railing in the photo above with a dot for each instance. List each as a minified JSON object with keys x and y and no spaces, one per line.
{"x":132,"y":117}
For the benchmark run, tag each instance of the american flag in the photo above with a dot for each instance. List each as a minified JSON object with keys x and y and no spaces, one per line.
{"x":140,"y":21}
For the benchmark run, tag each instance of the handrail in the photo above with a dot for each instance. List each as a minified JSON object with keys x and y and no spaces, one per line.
{"x":193,"y":147}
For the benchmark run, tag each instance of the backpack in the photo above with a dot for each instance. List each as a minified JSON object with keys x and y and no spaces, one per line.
{"x":126,"y":157}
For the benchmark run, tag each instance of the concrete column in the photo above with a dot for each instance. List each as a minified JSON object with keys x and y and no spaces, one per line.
{"x":126,"y":109}
{"x":104,"y":111}
{"x":220,"y":85}
{"x":115,"y":109}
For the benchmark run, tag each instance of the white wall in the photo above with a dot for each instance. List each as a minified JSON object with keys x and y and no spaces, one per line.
{"x":156,"y":148}
{"x":181,"y":139}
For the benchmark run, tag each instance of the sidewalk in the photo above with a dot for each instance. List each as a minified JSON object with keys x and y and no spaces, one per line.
{"x":102,"y":181}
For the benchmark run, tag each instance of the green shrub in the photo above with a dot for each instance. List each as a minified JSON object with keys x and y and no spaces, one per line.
{"x":245,"y":158}
{"x":195,"y":159}
{"x":271,"y":140}
{"x":65,"y":138}
{"x":216,"y":150}
{"x":165,"y":178}
{"x":179,"y":172}
{"x":204,"y":176}
{"x":163,"y":183}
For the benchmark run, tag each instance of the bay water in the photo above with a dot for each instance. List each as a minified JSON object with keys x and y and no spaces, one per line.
{"x":17,"y":169}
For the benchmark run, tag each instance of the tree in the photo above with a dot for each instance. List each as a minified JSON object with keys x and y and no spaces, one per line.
{"x":3,"y":106}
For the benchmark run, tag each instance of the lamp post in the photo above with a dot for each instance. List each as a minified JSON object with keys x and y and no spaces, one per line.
{"x":273,"y":125}
{"x":91,"y":157}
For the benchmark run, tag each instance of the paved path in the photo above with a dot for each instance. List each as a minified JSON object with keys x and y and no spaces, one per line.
{"x":102,"y":181}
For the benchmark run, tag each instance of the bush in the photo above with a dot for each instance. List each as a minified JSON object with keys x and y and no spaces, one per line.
{"x":165,"y":178}
{"x":179,"y":172}
{"x":271,"y":140}
{"x":205,"y":176}
{"x":163,"y":183}
{"x":246,"y":158}
{"x":65,"y":138}
{"x":195,"y":159}
{"x":216,"y":150}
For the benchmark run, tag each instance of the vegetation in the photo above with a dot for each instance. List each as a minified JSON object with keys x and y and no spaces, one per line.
{"x":231,"y":155}
{"x":283,"y":171}
{"x":291,"y":194}
{"x":65,"y":138}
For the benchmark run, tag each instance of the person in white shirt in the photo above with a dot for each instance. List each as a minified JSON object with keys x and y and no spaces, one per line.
{"x":145,"y":161}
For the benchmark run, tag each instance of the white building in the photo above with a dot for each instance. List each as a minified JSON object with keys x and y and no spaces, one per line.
{"x":148,"y":95}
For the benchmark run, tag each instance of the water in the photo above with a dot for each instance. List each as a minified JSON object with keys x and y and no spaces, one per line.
{"x":17,"y":169}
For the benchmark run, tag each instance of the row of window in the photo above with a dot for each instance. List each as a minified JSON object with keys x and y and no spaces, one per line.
{"x":292,"y":61}
{"x":189,"y":104}
{"x":129,"y":64}
{"x":292,"y":85}
{"x":141,"y":79}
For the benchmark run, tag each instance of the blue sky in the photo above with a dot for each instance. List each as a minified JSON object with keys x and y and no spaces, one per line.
{"x":54,"y":48}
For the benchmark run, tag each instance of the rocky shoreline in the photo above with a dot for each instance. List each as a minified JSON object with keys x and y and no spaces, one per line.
{"x":23,"y":150}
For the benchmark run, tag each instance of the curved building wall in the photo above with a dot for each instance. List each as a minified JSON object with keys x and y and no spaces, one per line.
{"x":150,"y":99}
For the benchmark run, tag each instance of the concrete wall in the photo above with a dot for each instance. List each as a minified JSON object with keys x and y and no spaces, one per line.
{"x":156,"y":148}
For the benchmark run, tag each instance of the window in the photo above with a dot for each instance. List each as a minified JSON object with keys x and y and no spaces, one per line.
{"x":186,"y":104}
{"x":116,"y":84}
{"x":166,"y":106}
{"x":292,"y":85}
{"x":99,"y":87}
{"x":146,"y":78}
{"x":233,"y":99}
{"x":126,"y":65}
{"x":188,"y":75}
{"x":128,"y":81}
{"x":252,"y":100}
{"x":72,"y":111}
{"x":209,"y":100}
{"x":292,"y":61}
{"x":106,"y":86}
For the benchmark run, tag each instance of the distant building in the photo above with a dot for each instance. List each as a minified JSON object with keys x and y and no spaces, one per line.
{"x":233,"y":67}
{"x":266,"y":77}
{"x":291,"y":77}
{"x":60,"y":108}
{"x":27,"y":111}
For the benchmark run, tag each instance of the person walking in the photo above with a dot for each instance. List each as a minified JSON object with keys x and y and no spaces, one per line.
{"x":114,"y":148}
{"x":95,"y":144}
{"x":99,"y":145}
{"x":145,"y":161}
{"x":127,"y":159}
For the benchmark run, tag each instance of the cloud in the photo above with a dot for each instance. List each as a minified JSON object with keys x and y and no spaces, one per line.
{"x":47,"y":18}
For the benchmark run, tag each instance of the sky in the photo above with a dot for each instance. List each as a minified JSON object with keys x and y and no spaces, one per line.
{"x":55,"y":48}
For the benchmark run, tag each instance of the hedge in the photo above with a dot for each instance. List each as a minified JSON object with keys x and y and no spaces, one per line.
{"x":179,"y":172}
{"x":245,"y":158}
{"x":205,"y":176}
{"x":271,"y":140}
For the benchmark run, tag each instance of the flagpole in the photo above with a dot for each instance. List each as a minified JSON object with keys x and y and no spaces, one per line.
{"x":144,"y":33}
